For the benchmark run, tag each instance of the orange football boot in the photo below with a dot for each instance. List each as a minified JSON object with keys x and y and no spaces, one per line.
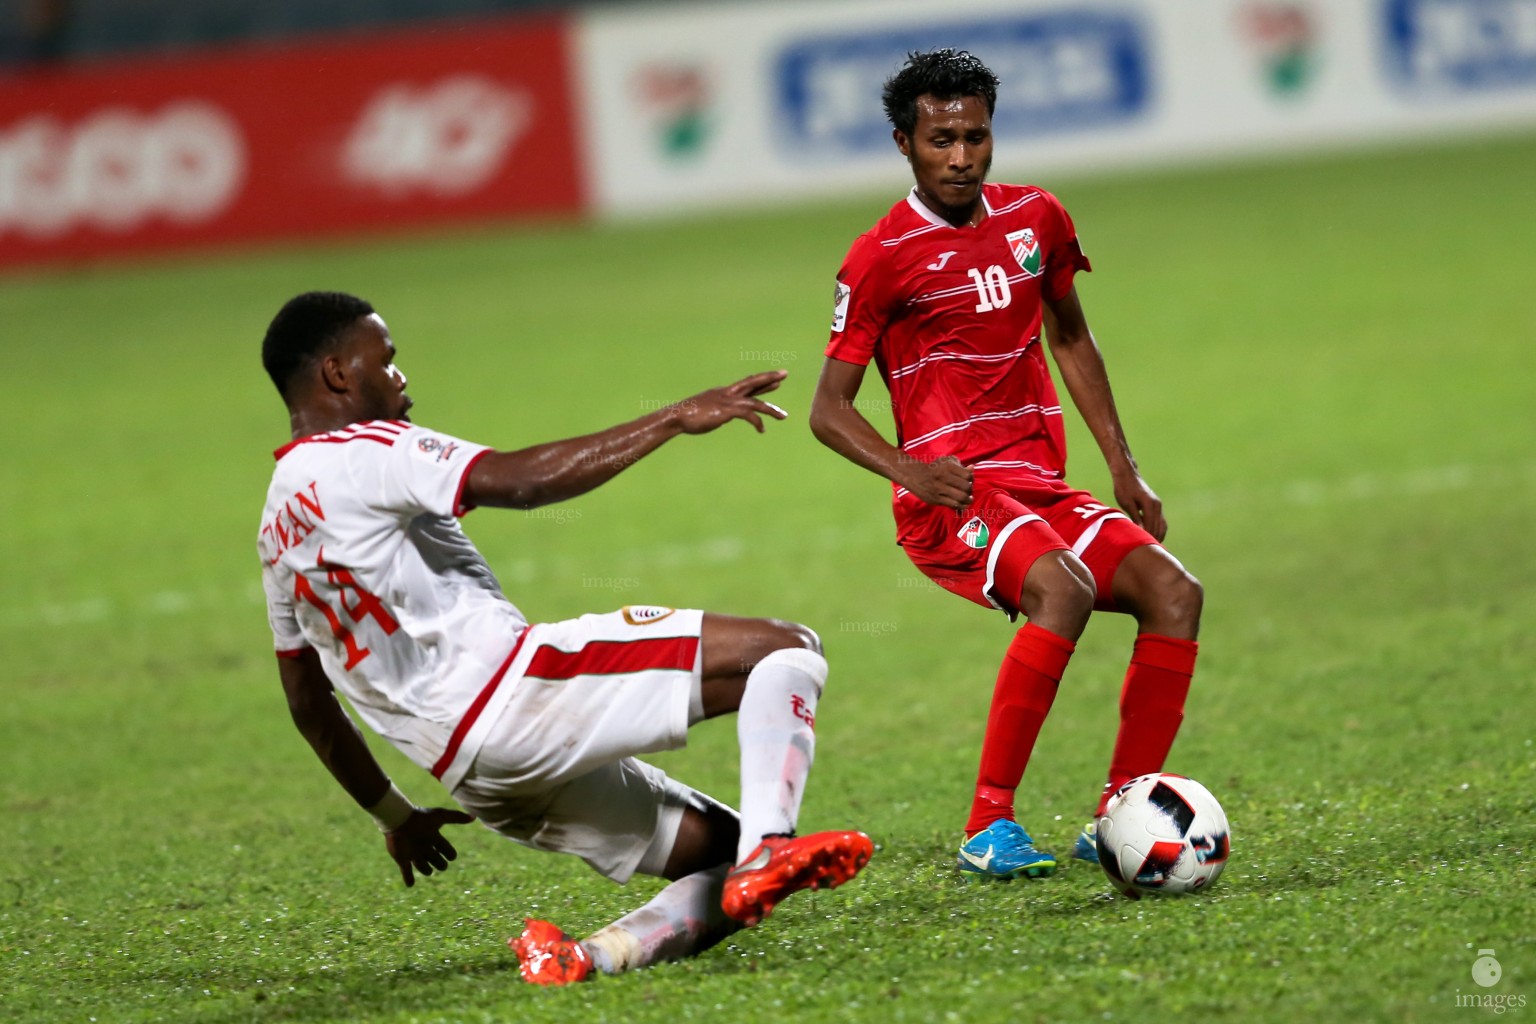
{"x":783,"y":865}
{"x":548,"y":956}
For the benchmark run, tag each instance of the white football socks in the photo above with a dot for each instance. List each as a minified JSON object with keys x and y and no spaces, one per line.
{"x":683,"y":919}
{"x":775,"y":726}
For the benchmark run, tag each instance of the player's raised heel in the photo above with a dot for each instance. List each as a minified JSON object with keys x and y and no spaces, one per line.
{"x":783,"y":865}
{"x":548,"y":956}
{"x":1002,"y":852}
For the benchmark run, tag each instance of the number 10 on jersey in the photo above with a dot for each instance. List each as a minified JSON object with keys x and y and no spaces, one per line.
{"x":991,"y":288}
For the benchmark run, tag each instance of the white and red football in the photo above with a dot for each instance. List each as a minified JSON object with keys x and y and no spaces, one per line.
{"x":1162,"y":833}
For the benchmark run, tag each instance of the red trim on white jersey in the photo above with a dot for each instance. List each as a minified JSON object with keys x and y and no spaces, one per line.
{"x":459,"y":508}
{"x":476,"y":706}
{"x":294,"y":653}
{"x":379,"y":431}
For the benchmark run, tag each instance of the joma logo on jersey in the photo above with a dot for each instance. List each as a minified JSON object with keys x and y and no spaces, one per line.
{"x":1026,"y":249}
{"x":974,"y":534}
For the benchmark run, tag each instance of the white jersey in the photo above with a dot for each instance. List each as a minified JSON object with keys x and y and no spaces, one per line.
{"x":363,"y":559}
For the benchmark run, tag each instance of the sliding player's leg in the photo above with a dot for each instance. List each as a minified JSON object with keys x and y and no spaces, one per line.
{"x":682,"y":920}
{"x":771,"y":674}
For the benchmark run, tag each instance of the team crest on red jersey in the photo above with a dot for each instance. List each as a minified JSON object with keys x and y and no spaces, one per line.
{"x":1026,"y":249}
{"x":645,"y":614}
{"x":974,"y":534}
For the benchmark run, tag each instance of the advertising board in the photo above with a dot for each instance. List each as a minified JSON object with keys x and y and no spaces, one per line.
{"x":362,"y":133}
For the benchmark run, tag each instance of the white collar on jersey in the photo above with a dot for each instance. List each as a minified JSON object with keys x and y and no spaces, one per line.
{"x":933,"y":218}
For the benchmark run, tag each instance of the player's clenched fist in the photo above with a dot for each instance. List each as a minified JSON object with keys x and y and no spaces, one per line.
{"x":944,"y":481}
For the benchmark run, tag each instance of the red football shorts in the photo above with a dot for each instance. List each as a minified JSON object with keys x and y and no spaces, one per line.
{"x":984,"y":552}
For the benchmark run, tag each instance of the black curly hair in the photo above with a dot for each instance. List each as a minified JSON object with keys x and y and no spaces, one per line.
{"x":943,"y":74}
{"x":306,"y":327}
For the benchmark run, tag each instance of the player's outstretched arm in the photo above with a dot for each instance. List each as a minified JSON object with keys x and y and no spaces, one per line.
{"x":561,"y":470}
{"x":1082,"y":370}
{"x":838,"y":424}
{"x":415,"y":838}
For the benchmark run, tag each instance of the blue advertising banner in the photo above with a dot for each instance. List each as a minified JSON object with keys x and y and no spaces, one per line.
{"x":1461,"y":45}
{"x":1062,"y":71}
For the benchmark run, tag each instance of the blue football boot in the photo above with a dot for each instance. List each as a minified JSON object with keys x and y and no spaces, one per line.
{"x":1002,"y":852}
{"x":1086,"y":847}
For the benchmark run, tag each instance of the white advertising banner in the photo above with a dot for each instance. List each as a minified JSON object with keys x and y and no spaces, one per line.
{"x":723,"y":104}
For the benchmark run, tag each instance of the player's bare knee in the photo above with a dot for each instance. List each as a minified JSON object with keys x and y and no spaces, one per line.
{"x":1074,"y":600}
{"x":1059,"y":593}
{"x":800,"y":652}
{"x":778,"y":635}
{"x":733,"y":646}
{"x":1168,"y":603}
{"x":1183,"y":599}
{"x":804,"y":637}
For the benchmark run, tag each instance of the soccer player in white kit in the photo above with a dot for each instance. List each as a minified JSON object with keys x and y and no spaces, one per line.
{"x":374,"y":591}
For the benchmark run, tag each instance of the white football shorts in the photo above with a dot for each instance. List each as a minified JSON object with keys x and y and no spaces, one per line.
{"x":558,"y":770}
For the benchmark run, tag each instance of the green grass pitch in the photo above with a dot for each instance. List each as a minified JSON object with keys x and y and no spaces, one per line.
{"x":1325,"y":367}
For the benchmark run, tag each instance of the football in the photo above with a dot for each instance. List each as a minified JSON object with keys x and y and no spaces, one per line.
{"x":1164,"y":834}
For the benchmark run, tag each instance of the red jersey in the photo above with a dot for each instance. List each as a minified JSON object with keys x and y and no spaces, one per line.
{"x":951,"y":317}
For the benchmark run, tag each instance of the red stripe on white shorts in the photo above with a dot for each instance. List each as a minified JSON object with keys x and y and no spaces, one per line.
{"x":614,"y":657}
{"x":598,"y":658}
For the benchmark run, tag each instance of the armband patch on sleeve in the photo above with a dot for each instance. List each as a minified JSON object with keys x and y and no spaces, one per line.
{"x":840,"y":297}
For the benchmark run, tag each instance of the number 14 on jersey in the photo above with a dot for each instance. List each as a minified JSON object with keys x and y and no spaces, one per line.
{"x":363,"y":605}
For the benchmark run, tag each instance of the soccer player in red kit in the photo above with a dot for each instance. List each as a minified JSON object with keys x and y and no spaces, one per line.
{"x":949,"y":294}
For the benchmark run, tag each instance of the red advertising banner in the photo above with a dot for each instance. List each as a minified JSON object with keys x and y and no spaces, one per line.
{"x":455,"y":123}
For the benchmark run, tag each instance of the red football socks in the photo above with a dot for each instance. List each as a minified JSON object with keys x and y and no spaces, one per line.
{"x":1151,"y":708}
{"x":1026,"y":686}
